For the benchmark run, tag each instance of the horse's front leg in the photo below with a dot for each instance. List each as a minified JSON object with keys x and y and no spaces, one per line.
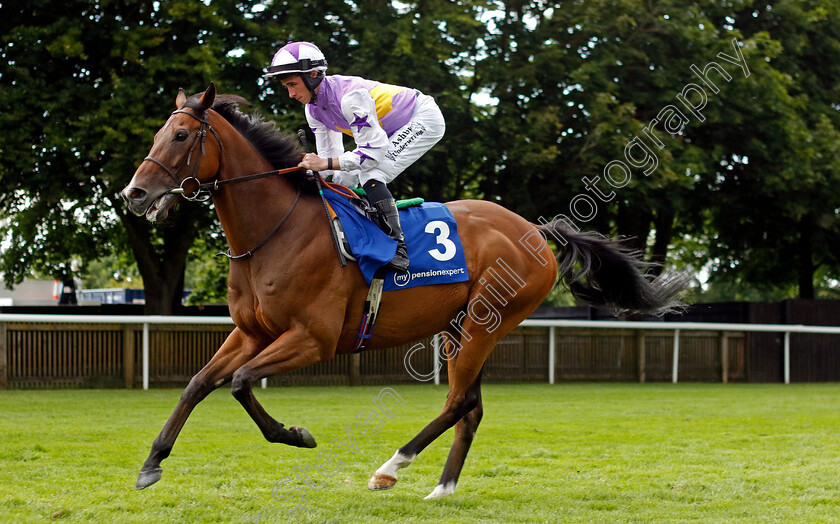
{"x":296,"y":348}
{"x":236,"y":350}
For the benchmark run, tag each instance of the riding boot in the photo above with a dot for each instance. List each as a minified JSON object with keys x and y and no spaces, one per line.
{"x":389,"y":221}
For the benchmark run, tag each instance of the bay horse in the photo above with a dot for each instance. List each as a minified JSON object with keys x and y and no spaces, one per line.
{"x":295,"y":305}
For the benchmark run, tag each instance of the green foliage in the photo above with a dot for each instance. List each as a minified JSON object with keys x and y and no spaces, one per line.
{"x":539,"y":97}
{"x":81,"y":88}
{"x":775,"y":184}
{"x":115,"y":270}
{"x":207,"y":275}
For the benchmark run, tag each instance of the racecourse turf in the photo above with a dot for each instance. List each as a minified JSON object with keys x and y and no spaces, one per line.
{"x":543,"y":453}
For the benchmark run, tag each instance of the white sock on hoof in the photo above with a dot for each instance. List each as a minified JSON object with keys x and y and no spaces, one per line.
{"x":398,"y":461}
{"x":441,"y":490}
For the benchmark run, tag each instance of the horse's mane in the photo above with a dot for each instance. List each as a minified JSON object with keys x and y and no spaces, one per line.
{"x":280,"y":149}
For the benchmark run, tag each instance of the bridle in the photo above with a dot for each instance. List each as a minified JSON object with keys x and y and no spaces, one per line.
{"x":204,"y":191}
{"x":201,"y":194}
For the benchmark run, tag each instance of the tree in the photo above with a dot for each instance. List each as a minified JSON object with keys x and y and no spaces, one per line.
{"x":81,"y":91}
{"x":577,"y":84}
{"x":752,"y":170}
{"x":84,"y":89}
{"x":540,"y":98}
{"x":777,"y":183}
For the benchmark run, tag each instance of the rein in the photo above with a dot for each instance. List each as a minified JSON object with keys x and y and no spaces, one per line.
{"x":204,"y":191}
{"x":215,"y":184}
{"x":266,"y":238}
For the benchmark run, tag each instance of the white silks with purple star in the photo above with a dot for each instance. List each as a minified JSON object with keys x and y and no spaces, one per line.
{"x":377,"y":116}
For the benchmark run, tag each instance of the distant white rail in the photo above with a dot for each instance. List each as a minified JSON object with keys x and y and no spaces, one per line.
{"x":676,"y":327}
{"x":144,"y":320}
{"x":550,"y":324}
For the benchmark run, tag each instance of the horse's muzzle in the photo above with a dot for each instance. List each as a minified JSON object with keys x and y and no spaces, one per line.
{"x":136,"y":199}
{"x":154,"y":206}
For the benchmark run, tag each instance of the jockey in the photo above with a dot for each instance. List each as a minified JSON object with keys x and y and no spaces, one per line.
{"x":392,"y":127}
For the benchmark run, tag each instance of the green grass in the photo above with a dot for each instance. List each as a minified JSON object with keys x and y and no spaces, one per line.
{"x":563,"y":453}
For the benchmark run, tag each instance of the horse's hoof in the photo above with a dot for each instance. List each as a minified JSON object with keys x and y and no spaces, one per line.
{"x":381,"y":481}
{"x":148,"y":477}
{"x":441,"y":490}
{"x":306,"y":438}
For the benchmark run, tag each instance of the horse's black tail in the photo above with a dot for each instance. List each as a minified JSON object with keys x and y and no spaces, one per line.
{"x":603,"y":272}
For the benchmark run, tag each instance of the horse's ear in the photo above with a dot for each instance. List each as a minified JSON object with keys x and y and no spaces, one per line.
{"x":181,"y":99}
{"x":208,"y":97}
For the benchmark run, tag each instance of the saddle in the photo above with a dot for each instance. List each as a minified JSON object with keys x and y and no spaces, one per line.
{"x":431,"y":235}
{"x":360,"y":203}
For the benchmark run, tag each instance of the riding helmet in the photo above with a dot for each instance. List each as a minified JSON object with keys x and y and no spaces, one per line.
{"x":297,"y":58}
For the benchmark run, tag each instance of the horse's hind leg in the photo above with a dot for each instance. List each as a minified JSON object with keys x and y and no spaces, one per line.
{"x":464,"y":433}
{"x":464,"y":399}
{"x":234,"y":352}
{"x":488,"y":319}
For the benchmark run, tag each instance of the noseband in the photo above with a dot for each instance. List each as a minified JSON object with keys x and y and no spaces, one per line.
{"x":202,"y":193}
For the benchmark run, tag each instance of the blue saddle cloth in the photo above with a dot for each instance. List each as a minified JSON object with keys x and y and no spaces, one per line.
{"x":431,"y":236}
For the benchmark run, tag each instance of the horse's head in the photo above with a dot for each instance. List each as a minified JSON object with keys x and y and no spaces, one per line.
{"x":180,"y":159}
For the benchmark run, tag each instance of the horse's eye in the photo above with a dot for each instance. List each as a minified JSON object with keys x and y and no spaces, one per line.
{"x":181,"y":135}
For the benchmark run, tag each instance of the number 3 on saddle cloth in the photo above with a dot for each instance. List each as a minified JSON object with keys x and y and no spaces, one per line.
{"x":431,"y":237}
{"x":434,"y":251}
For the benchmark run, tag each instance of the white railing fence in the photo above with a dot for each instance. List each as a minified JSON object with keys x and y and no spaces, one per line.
{"x":550,"y":324}
{"x":676,"y":327}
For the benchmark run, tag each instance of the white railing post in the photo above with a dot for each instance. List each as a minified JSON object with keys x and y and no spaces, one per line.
{"x":145,"y":355}
{"x":436,"y":357}
{"x":264,"y":383}
{"x":787,"y":357}
{"x":675,"y":368}
{"x":551,"y":354}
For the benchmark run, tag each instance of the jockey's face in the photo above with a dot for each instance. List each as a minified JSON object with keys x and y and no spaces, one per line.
{"x":297,"y":89}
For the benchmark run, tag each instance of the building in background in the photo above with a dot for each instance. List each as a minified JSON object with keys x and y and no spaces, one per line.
{"x":32,"y":293}
{"x":56,"y":292}
{"x":117,"y":295}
